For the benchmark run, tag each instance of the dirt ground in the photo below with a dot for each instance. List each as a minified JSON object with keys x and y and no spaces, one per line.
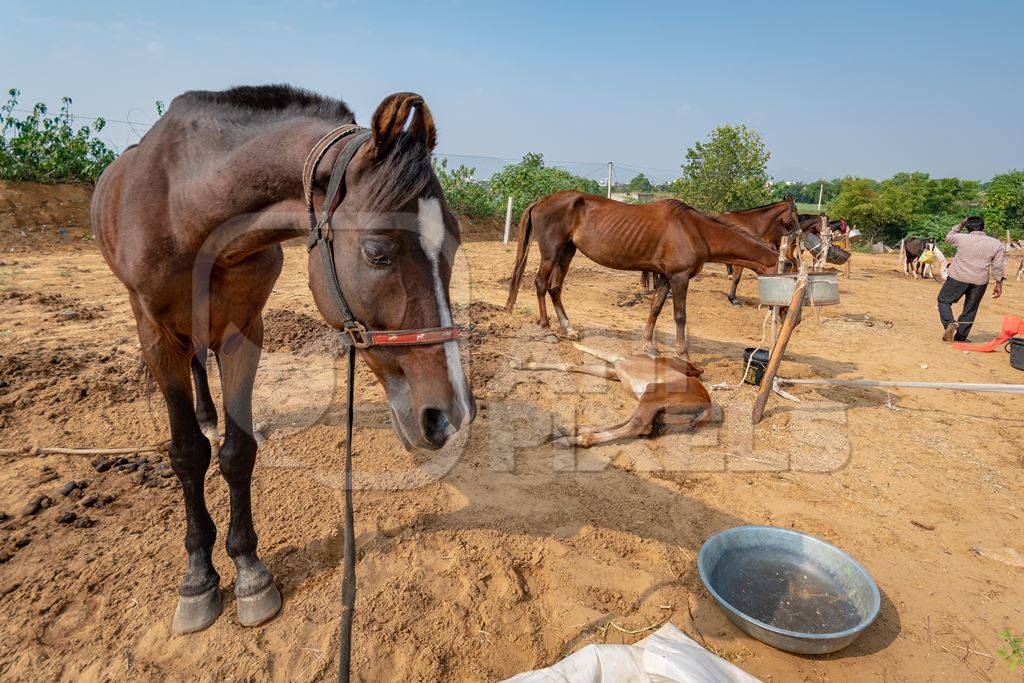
{"x":502,"y":553}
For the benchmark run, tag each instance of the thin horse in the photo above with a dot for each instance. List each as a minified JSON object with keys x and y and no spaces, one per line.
{"x":769,"y":222}
{"x":191,"y":220}
{"x":666,"y":237}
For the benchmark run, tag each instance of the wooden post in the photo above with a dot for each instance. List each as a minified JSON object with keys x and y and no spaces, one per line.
{"x":903,"y":255}
{"x":783,"y":250}
{"x":609,"y":180}
{"x":821,"y":194}
{"x":826,"y":244}
{"x":508,"y":220}
{"x":796,"y":304}
{"x":846,"y":246}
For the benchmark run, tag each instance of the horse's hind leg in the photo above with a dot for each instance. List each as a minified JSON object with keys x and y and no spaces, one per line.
{"x":257,"y":598}
{"x":199,"y":599}
{"x":558,"y":274}
{"x":206,"y":411}
{"x":737,"y":273}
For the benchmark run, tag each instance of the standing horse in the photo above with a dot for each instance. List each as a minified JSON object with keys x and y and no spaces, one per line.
{"x":667,"y":237}
{"x":769,"y":223}
{"x":191,"y":220}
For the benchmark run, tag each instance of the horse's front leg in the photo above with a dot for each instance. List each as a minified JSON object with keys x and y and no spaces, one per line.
{"x":680,"y":282}
{"x":657,"y":303}
{"x":737,"y":273}
{"x":199,"y":598}
{"x":257,"y":598}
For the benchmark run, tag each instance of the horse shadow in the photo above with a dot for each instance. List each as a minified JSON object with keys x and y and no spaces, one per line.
{"x":506,"y":477}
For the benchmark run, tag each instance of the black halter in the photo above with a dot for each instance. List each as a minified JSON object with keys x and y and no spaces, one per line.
{"x":321,"y":235}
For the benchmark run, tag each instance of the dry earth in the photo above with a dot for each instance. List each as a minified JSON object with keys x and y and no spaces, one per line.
{"x":501,"y":553}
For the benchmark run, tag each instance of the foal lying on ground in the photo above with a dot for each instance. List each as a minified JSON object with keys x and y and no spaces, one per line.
{"x":667,"y":388}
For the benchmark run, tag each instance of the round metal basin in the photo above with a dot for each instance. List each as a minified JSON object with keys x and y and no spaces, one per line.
{"x":776,"y":289}
{"x":787,"y":589}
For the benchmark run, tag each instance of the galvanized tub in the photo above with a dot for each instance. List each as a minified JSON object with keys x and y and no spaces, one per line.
{"x":776,"y":289}
{"x":788,"y":589}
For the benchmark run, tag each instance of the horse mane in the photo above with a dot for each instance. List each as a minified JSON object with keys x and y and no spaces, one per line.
{"x":682,"y":207}
{"x":762,"y":206}
{"x":400,"y":174}
{"x":278,"y":99}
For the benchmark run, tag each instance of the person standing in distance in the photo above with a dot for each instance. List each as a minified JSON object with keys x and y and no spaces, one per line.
{"x":967,"y":276}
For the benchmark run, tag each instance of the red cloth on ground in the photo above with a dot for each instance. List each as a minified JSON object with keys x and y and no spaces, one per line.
{"x":1012,"y":326}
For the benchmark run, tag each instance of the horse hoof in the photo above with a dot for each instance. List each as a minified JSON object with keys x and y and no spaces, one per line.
{"x":194,"y":613}
{"x":735,"y":302}
{"x":256,"y":609}
{"x":572,"y":335}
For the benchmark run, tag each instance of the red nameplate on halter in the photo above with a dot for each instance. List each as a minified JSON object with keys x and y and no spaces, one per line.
{"x":413,"y":337}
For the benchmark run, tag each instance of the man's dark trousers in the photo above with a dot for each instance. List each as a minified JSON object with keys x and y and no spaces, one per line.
{"x":951,"y":292}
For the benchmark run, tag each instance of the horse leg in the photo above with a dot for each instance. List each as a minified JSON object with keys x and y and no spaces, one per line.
{"x":605,"y":371}
{"x":680,"y":282}
{"x":541,"y":282}
{"x":640,"y":423}
{"x":206,"y":411}
{"x":555,"y":288}
{"x":737,"y":272}
{"x":256,"y":596}
{"x":199,"y":598}
{"x":657,"y":303}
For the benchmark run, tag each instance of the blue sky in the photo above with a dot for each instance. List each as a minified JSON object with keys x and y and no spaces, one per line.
{"x":865,"y":88}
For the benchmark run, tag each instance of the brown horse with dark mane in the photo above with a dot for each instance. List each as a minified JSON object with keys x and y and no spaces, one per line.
{"x":191,"y":220}
{"x":668,"y":238}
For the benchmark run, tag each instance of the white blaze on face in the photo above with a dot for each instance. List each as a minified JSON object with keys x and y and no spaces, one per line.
{"x":432,"y":233}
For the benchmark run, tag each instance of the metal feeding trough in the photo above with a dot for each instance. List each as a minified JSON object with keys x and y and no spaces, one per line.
{"x":776,"y":289}
{"x":787,"y":589}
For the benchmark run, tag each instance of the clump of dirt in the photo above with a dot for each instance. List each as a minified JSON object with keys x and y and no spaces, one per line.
{"x":52,"y":381}
{"x":61,"y":306}
{"x":630,"y":299}
{"x":298,"y":333}
{"x":34,"y":216}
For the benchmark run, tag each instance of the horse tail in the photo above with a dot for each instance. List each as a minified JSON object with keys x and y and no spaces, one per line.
{"x":522,"y":253}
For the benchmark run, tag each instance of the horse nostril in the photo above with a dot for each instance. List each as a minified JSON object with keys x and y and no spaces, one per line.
{"x":435,"y":426}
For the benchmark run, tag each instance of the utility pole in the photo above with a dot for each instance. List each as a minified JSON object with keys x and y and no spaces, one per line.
{"x":609,"y":180}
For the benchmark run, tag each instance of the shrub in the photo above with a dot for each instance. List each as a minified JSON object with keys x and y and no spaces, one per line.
{"x":464,"y":195}
{"x":48,"y":149}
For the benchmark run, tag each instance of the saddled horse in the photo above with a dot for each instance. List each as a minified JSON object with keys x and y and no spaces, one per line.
{"x":913,"y":248}
{"x":667,"y":237}
{"x":191,"y":220}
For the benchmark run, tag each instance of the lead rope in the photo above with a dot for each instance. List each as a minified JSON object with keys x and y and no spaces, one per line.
{"x":348,"y":585}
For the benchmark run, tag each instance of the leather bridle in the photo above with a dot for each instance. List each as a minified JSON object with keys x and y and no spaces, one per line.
{"x":356,"y":336}
{"x":321,"y":237}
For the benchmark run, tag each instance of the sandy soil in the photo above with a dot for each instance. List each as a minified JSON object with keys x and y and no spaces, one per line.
{"x":502,"y":553}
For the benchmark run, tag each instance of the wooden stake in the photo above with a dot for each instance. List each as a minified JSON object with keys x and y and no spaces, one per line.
{"x":508,"y":220}
{"x":796,"y":304}
{"x":951,"y":386}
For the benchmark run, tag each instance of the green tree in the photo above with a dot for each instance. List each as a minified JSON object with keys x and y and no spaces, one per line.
{"x":640,"y":183}
{"x":530,"y":179}
{"x":727,"y":172}
{"x":464,"y":195}
{"x":1004,"y":204}
{"x":48,"y":149}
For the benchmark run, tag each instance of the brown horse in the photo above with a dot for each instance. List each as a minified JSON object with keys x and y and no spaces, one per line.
{"x":191,"y":220}
{"x":769,"y":223}
{"x":667,"y":237}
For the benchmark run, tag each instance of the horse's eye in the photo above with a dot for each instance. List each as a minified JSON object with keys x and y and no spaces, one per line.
{"x":378,"y":253}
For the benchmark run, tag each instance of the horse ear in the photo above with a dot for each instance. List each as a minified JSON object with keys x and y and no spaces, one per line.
{"x":391,"y":116}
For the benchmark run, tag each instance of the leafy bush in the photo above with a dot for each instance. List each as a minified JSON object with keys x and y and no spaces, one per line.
{"x":1013,"y":653}
{"x":48,"y":149}
{"x":530,"y":179}
{"x":465,"y":196}
{"x":726,"y":173}
{"x":1004,"y":205}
